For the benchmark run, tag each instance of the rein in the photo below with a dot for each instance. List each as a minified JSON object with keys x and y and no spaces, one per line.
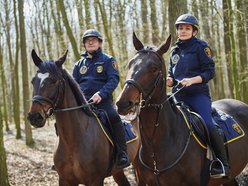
{"x":144,"y":99}
{"x":74,"y":108}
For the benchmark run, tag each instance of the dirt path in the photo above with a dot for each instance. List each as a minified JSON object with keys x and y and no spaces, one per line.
{"x":32,"y":166}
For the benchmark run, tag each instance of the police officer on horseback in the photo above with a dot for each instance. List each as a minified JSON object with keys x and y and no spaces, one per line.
{"x":98,"y":76}
{"x":191,"y":65}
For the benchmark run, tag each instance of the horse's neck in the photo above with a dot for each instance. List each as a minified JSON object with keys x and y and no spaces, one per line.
{"x":167,"y":131}
{"x":69,"y":123}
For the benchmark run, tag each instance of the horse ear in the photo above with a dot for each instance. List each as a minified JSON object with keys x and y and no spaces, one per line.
{"x":61,"y":60}
{"x":36,"y":59}
{"x":164,"y":46}
{"x":137,"y":43}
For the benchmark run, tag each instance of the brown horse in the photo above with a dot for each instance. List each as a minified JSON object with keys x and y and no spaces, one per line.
{"x":169,"y":155}
{"x":84,"y":155}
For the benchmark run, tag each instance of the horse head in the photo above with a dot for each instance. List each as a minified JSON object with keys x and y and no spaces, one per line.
{"x":146,"y":75}
{"x":47,"y":89}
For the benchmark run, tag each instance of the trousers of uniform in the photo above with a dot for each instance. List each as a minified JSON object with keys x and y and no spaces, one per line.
{"x":108,"y":106}
{"x":201,"y":103}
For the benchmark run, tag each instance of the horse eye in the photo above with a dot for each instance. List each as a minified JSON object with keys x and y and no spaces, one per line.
{"x":153,"y":68}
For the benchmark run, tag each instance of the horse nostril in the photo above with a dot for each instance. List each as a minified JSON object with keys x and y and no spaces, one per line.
{"x":35,"y":118}
{"x":124,"y":106}
{"x":130,"y":103}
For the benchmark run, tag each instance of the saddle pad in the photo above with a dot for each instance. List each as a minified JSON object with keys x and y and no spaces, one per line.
{"x":229,"y":126}
{"x":129,"y":134}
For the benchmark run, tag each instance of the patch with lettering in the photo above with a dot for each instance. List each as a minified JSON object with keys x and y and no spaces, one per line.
{"x":83,"y":69}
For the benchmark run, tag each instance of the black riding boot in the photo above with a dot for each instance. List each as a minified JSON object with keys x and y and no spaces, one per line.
{"x":217,"y":140}
{"x":122,"y":159}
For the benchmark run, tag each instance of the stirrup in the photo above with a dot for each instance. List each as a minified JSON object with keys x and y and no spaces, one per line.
{"x":218,"y":165}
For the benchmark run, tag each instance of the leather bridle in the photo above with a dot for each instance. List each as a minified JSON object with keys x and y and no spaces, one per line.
{"x":144,"y":102}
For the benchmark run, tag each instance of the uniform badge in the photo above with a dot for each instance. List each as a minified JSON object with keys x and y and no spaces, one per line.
{"x":208,"y":52}
{"x":115,"y":66}
{"x":175,"y":59}
{"x":83,"y":69}
{"x":99,"y":69}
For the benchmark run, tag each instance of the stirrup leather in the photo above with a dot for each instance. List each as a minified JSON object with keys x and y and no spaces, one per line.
{"x":218,"y":165}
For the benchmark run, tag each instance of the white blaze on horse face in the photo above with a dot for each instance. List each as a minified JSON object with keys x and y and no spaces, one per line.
{"x":42,"y":77}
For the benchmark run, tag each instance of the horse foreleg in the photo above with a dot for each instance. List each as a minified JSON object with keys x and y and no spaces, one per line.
{"x":66,"y":183}
{"x":121,"y":179}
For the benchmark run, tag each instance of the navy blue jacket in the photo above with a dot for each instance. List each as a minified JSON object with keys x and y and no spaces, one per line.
{"x":189,"y":59}
{"x":97,"y":74}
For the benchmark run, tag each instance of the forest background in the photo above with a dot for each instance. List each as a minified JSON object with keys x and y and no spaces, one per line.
{"x":53,"y":26}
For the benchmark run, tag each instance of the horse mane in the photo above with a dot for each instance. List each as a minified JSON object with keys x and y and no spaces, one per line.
{"x":80,"y":98}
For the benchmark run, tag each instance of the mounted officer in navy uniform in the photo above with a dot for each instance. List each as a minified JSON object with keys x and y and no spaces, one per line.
{"x":98,"y":76}
{"x":191,"y":65}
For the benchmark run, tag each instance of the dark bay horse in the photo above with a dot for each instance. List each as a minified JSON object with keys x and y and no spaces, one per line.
{"x":84,"y":155}
{"x":169,"y":155}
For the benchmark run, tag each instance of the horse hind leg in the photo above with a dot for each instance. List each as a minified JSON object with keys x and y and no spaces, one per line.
{"x":121,"y":179}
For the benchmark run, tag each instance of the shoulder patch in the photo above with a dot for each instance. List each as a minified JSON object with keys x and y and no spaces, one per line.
{"x":208,"y":51}
{"x":115,"y":66}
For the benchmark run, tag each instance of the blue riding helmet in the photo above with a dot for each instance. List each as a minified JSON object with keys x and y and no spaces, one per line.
{"x":92,"y":33}
{"x":187,"y":19}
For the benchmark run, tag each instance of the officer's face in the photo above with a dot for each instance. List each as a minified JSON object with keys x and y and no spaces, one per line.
{"x":185,"y":31}
{"x":92,"y":44}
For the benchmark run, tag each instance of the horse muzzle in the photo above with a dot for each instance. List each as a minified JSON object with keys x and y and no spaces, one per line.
{"x":124,"y":107}
{"x":36,"y":119}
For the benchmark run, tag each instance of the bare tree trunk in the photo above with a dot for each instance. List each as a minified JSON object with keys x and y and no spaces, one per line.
{"x":176,"y":8}
{"x":164,"y":7}
{"x":4,"y":180}
{"x":47,"y":33}
{"x":16,"y":79}
{"x":154,"y":23}
{"x":6,"y":26}
{"x":68,"y":30}
{"x":57,"y":26}
{"x":217,"y":45}
{"x":122,"y":40}
{"x":145,"y":25}
{"x":25,"y":81}
{"x":227,"y":44}
{"x":79,"y":4}
{"x":87,"y":14}
{"x":98,"y":25}
{"x":241,"y":7}
{"x":107,"y":31}
{"x":3,"y":85}
{"x":233,"y":52}
{"x":9,"y":95}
